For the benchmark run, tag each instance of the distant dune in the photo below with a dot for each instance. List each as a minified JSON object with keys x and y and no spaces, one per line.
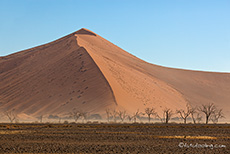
{"x":84,"y":71}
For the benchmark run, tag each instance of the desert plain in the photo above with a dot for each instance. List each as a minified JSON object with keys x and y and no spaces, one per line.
{"x":114,"y":138}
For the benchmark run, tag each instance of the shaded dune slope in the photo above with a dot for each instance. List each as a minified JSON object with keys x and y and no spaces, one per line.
{"x":53,"y":79}
{"x":87,"y":72}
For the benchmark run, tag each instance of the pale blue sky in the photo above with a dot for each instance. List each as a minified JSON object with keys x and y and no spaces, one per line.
{"x":189,"y":34}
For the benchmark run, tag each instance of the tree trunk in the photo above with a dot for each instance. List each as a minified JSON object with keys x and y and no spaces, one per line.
{"x":166,"y":119}
{"x":207,"y":119}
{"x":193,"y":119}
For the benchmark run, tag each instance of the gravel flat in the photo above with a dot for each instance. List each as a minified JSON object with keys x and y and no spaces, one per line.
{"x":114,"y":138}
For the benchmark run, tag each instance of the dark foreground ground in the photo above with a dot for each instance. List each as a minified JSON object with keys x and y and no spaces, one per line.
{"x":114,"y":138}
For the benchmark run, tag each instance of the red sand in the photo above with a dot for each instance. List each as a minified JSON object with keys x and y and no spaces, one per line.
{"x":85,"y":71}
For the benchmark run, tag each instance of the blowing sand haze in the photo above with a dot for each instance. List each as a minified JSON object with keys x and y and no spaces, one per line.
{"x":83,"y":70}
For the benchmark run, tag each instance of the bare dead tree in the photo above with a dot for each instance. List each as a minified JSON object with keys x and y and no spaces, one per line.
{"x":11,"y":115}
{"x":196,"y":117}
{"x":40,"y":118}
{"x":184,"y":114}
{"x":217,"y":115}
{"x":208,"y":110}
{"x":122,"y":115}
{"x":76,"y":114}
{"x":193,"y":112}
{"x":114,"y":115}
{"x":84,"y":115}
{"x":130,"y":118}
{"x":167,"y":114}
{"x":149,"y":112}
{"x":136,"y":115}
{"x":159,"y":117}
{"x":107,"y":114}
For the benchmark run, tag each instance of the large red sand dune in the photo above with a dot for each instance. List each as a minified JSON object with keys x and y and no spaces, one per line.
{"x":85,"y":71}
